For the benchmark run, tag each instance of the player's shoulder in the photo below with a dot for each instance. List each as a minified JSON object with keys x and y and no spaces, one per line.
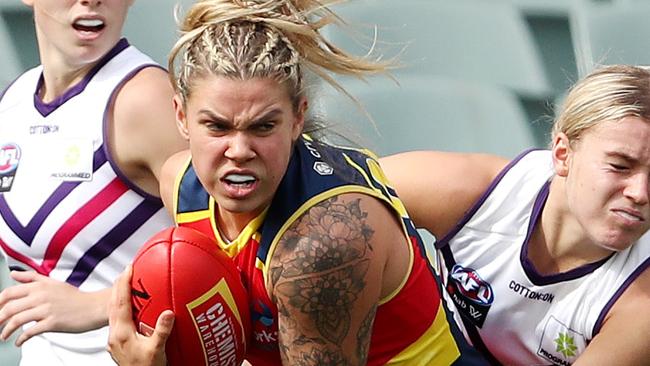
{"x":170,"y":173}
{"x":174,"y":164}
{"x":350,"y":216}
{"x":148,"y":84}
{"x":143,"y":105}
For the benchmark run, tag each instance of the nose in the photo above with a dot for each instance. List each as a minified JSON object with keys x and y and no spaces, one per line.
{"x":240,"y":147}
{"x":638,"y":188}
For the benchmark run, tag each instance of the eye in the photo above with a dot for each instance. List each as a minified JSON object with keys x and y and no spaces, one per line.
{"x":216,"y":126}
{"x":264,"y":127}
{"x":618,"y":167}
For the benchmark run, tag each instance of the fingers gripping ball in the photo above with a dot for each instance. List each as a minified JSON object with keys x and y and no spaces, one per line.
{"x":182,"y":270}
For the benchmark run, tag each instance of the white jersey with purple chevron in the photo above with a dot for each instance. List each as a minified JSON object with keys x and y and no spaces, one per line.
{"x":508,"y":310}
{"x":66,"y":209}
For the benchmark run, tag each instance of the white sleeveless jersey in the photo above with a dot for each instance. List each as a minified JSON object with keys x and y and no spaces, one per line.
{"x":66,"y":209}
{"x":509,"y":311}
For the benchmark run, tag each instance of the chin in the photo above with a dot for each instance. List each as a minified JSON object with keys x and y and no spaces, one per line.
{"x":618,"y":244}
{"x":239,"y":207}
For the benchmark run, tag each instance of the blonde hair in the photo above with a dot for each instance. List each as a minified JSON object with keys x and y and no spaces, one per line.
{"x":610,"y":93}
{"x":262,"y":38}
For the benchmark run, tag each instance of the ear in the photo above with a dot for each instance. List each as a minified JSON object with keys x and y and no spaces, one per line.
{"x":181,"y":118}
{"x":561,"y":153}
{"x":299,"y":123}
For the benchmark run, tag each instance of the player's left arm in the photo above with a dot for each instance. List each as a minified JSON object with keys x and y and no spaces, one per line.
{"x":623,"y":339}
{"x":326,"y":277}
{"x":51,"y":304}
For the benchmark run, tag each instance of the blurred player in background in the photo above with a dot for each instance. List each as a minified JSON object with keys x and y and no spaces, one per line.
{"x":336,"y":273}
{"x":545,"y":258}
{"x":82,"y":141}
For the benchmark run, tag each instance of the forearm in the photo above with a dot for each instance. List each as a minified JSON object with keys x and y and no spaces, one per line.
{"x":97,"y":303}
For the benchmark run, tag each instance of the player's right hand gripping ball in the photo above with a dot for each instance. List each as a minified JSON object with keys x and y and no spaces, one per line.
{"x":182,"y":270}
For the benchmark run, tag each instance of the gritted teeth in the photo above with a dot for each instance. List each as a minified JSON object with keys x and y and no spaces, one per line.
{"x":90,"y":25}
{"x":239,"y":178}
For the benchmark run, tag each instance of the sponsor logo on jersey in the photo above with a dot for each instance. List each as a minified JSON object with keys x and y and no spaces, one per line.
{"x":312,"y":150}
{"x":530,"y":294}
{"x":472,"y":295}
{"x":9,"y":158}
{"x":323,"y":168}
{"x":72,"y":160}
{"x":560,"y":344}
{"x":319,"y":167}
{"x":265,"y":335}
{"x":43,"y":129}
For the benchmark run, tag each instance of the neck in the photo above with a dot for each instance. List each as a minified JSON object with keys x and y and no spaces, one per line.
{"x":61,"y":71}
{"x":559,"y":242}
{"x":231,"y":224}
{"x":58,"y":79}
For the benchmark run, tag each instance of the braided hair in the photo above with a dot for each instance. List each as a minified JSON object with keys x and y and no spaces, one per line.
{"x":276,"y":39}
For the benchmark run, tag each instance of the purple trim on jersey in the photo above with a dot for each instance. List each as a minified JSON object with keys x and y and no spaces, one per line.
{"x":633,"y":276}
{"x":112,"y":240}
{"x":468,"y":215}
{"x":529,"y":268}
{"x":114,"y":165}
{"x":27,"y":233}
{"x":46,"y":108}
{"x":450,"y":261}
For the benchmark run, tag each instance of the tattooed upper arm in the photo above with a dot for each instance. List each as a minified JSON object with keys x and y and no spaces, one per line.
{"x":325,"y":277}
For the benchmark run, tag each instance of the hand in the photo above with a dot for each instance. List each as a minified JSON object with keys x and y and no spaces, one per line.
{"x":125,"y":344}
{"x":53,"y":306}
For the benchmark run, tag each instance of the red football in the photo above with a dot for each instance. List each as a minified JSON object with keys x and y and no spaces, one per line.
{"x":182,"y":270}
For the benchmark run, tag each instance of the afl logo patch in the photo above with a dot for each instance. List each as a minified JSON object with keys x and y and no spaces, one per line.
{"x":472,"y":295}
{"x":9,"y":158}
{"x":471,"y":285}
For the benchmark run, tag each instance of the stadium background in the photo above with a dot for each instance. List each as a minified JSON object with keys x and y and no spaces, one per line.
{"x":474,"y":75}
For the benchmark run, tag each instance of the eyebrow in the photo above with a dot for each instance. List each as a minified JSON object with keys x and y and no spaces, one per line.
{"x":621,"y":155}
{"x":268,"y":115}
{"x":213,"y":116}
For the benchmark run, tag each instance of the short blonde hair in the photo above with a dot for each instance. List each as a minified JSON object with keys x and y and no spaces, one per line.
{"x":610,"y":93}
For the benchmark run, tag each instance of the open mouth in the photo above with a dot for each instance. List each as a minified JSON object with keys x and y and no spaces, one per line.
{"x":88,"y":25}
{"x":240,"y":180}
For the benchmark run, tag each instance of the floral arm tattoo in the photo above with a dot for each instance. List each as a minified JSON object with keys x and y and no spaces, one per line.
{"x":318,"y":273}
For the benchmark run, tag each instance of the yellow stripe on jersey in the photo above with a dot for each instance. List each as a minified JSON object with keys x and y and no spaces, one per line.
{"x":436,"y":346}
{"x":185,"y":217}
{"x":234,"y":247}
{"x":363,"y":151}
{"x":259,"y":264}
{"x":361,"y":171}
{"x":379,"y":176}
{"x":391,"y":201}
